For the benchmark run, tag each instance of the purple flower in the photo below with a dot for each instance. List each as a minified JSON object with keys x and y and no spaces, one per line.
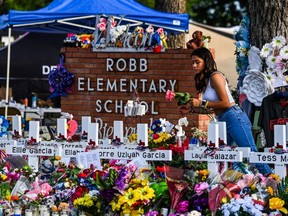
{"x":182,"y":206}
{"x":152,"y":213}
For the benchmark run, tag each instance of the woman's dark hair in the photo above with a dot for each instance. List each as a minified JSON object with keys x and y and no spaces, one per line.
{"x":201,"y":79}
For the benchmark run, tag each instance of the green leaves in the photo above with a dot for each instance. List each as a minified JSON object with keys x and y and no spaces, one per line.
{"x":182,"y":97}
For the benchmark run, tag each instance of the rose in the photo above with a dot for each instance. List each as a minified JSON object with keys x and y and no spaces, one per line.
{"x":170,"y":95}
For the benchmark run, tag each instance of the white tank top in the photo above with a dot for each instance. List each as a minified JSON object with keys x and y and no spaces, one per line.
{"x":211,"y":95}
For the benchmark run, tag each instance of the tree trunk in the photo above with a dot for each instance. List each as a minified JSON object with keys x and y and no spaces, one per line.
{"x":268,"y":19}
{"x":173,"y":6}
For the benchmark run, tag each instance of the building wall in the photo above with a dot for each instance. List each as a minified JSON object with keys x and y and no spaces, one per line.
{"x":90,"y":68}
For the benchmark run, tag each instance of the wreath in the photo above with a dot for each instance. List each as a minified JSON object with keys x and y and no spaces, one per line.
{"x":4,"y":124}
{"x":60,"y":80}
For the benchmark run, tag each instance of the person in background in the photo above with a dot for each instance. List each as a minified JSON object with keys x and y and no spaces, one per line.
{"x":216,"y":97}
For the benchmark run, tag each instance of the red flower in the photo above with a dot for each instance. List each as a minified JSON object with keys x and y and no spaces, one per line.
{"x":156,"y":136}
{"x":160,"y":169}
{"x":79,"y":192}
{"x":100,"y":173}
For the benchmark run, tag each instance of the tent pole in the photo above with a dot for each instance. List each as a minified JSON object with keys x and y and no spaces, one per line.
{"x":8,"y":72}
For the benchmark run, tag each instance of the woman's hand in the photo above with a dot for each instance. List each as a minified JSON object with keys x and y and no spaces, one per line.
{"x":195,"y":102}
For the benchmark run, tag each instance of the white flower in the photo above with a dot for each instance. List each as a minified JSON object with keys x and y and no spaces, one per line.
{"x":256,"y":86}
{"x":270,"y":75}
{"x":271,"y":60}
{"x":266,"y":50}
{"x":284,"y":52}
{"x":278,"y":41}
{"x":194,"y":213}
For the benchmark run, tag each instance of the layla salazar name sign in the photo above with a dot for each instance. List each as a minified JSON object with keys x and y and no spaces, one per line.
{"x":125,"y":154}
{"x":218,"y":156}
{"x":268,"y":158}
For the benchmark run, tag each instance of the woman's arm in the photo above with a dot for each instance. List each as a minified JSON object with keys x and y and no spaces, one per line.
{"x":217,"y":82}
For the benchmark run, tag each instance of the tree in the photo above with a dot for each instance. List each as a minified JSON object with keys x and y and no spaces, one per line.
{"x":172,"y":6}
{"x":268,"y":19}
{"x":223,"y":13}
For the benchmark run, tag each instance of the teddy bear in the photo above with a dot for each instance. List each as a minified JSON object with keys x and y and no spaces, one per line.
{"x":196,"y":40}
{"x":116,"y":33}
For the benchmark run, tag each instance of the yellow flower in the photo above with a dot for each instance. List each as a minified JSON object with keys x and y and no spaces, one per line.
{"x":130,"y":196}
{"x":277,"y":204}
{"x":4,"y":177}
{"x":115,"y":204}
{"x":275,"y":177}
{"x":147,"y":193}
{"x":58,"y":158}
{"x":137,"y":212}
{"x":139,"y":182}
{"x":132,"y":138}
{"x":126,"y":209}
{"x":270,"y":190}
{"x":224,"y":200}
{"x":204,"y":174}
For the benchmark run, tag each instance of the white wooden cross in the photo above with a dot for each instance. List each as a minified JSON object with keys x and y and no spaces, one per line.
{"x":214,"y":157}
{"x":279,"y":160}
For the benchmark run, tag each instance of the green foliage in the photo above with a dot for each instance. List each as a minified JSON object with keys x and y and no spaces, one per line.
{"x":224,"y":13}
{"x":27,"y":4}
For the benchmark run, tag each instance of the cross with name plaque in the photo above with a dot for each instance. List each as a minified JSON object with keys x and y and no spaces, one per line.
{"x":279,"y":160}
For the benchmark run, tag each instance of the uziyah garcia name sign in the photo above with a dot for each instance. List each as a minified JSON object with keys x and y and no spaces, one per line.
{"x":124,"y":85}
{"x":125,"y":154}
{"x":5,"y":143}
{"x":268,"y":158}
{"x":38,"y":151}
{"x":218,"y":156}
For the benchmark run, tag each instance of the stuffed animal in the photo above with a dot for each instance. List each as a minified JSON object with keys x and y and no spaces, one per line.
{"x":163,"y":37}
{"x":86,"y":40}
{"x":150,"y":29}
{"x":138,"y":35}
{"x":196,"y":40}
{"x":115,"y":34}
{"x":102,"y":24}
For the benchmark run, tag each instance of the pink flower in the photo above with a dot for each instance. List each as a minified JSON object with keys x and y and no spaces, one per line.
{"x":45,"y":189}
{"x":200,"y":188}
{"x":170,"y":95}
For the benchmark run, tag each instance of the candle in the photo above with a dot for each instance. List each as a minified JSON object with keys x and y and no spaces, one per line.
{"x":16,"y":124}
{"x":62,"y":127}
{"x":213,"y":134}
{"x":85,"y":122}
{"x":34,"y":130}
{"x":93,"y":129}
{"x":118,"y":130}
{"x":142,"y":134}
{"x":280,"y":135}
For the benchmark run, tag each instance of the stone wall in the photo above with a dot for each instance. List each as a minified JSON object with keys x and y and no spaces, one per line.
{"x":102,"y":85}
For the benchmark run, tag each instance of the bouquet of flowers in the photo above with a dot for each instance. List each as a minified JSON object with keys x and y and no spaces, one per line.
{"x":181,"y":97}
{"x":275,"y":57}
